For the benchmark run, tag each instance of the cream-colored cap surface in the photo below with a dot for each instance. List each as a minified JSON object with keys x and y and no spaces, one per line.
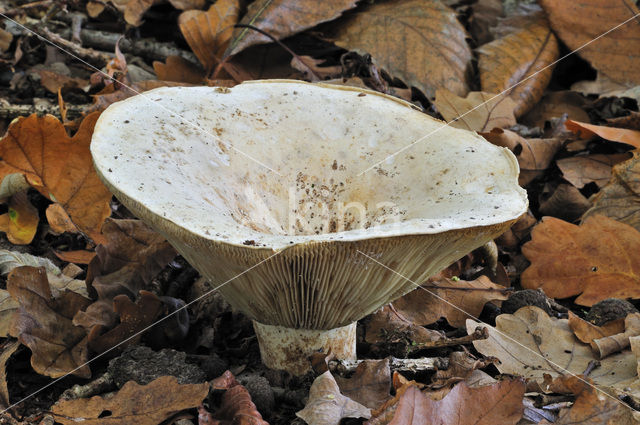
{"x":184,"y":160}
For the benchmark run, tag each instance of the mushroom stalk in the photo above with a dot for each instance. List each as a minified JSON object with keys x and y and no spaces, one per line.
{"x":289,"y":349}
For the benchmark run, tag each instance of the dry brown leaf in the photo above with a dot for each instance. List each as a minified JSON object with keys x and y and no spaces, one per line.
{"x":133,"y":9}
{"x":21,"y":222}
{"x":563,"y":201}
{"x":59,"y":167}
{"x":596,"y":260}
{"x":369,"y":385}
{"x":620,"y":199}
{"x":133,"y":404}
{"x":591,"y":407}
{"x":208,"y":33}
{"x":110,"y":95}
{"x":5,"y":40}
{"x":134,"y":317}
{"x":531,"y":344}
{"x":420,"y":42}
{"x":587,"y":331}
{"x":521,"y":58}
{"x":500,"y":403}
{"x":283,"y":18}
{"x":389,"y":326}
{"x":631,"y":121}
{"x":8,"y":306}
{"x":520,"y":230}
{"x":534,"y":155}
{"x":187,"y":4}
{"x":54,"y":82}
{"x":264,"y":62}
{"x":77,"y":257}
{"x":578,"y":23}
{"x":464,"y":299}
{"x":59,"y":221}
{"x":327,"y":406}
{"x":621,"y":135}
{"x":236,"y":406}
{"x":479,"y":111}
{"x":8,"y":348}
{"x":43,"y":323}
{"x":176,"y":68}
{"x":582,"y":170}
{"x":554,"y":105}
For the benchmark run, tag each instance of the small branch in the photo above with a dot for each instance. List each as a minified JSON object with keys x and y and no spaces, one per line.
{"x":481,"y":332}
{"x":402,"y":365}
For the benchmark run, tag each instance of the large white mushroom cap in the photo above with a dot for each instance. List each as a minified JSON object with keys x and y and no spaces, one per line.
{"x":231,"y":176}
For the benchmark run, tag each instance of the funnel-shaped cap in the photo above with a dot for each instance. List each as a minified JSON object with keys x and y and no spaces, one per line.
{"x":231,"y":176}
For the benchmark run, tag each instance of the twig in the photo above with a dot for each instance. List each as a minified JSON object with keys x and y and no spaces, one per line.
{"x":480,"y":332}
{"x":89,"y":54}
{"x":403,"y":365}
{"x":11,"y":111}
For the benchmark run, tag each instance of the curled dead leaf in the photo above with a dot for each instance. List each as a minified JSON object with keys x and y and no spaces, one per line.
{"x":621,"y":135}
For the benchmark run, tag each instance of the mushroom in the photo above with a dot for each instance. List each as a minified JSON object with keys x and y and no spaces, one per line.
{"x":232,"y":176}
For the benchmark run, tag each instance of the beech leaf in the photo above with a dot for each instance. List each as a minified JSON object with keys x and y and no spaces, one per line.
{"x":418,"y":41}
{"x":479,"y":111}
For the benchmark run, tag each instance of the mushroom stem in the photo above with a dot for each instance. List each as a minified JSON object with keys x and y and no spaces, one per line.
{"x":288,"y":349}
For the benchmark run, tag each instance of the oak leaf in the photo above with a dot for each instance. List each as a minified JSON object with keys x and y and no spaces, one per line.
{"x":133,"y":404}
{"x":500,"y":403}
{"x":208,"y":33}
{"x":176,"y":68}
{"x":580,"y":26}
{"x":531,"y":344}
{"x":326,"y":405}
{"x":522,"y":59}
{"x":582,"y":170}
{"x":43,"y":323}
{"x":59,"y":167}
{"x":587,"y":331}
{"x":479,"y":111}
{"x":465,"y":299}
{"x":420,"y":42}
{"x":283,"y":18}
{"x":236,"y":406}
{"x":599,"y":260}
{"x":620,"y":198}
{"x":534,"y":155}
{"x":21,"y":222}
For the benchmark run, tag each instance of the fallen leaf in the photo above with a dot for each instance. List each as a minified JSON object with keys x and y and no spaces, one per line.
{"x":479,"y":111}
{"x":209,"y":33}
{"x":621,"y":135}
{"x":263,"y":62}
{"x":176,"y":68}
{"x":282,"y":18}
{"x":578,"y":24}
{"x":591,"y":406}
{"x":134,"y":317}
{"x":389,"y":326}
{"x":521,"y":59}
{"x":59,"y":221}
{"x":420,"y":42}
{"x":554,"y":105}
{"x":587,"y":331}
{"x":5,"y":40}
{"x":500,"y":403}
{"x":620,"y":198}
{"x":43,"y":323}
{"x":77,"y":257}
{"x":631,"y":121}
{"x":8,"y":306}
{"x":59,"y":167}
{"x":370,"y":383}
{"x":21,"y":222}
{"x":534,"y":155}
{"x":531,"y":344}
{"x":53,"y":81}
{"x":520,"y":230}
{"x":314,"y":71}
{"x":485,"y":16}
{"x":133,"y":9}
{"x":563,"y":201}
{"x":130,"y":257}
{"x":187,"y":4}
{"x":327,"y":406}
{"x":599,"y":260}
{"x":140,"y":404}
{"x":581,"y":170}
{"x":236,"y":406}
{"x":9,"y":347}
{"x":111,"y":95}
{"x":464,"y":299}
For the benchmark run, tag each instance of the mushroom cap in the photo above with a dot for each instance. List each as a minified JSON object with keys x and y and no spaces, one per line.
{"x":231,"y":176}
